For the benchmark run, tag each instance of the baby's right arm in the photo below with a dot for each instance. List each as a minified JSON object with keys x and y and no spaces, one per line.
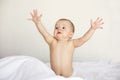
{"x":37,"y":20}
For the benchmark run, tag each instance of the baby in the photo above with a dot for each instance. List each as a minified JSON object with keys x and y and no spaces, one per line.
{"x":62,"y":45}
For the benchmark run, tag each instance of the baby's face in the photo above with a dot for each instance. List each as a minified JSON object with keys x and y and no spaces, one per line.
{"x":63,"y":29}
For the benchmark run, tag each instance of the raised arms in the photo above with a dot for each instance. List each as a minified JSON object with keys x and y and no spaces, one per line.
{"x":37,"y":20}
{"x":94,"y":25}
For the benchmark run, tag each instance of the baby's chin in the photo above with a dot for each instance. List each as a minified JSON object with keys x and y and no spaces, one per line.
{"x":61,"y":38}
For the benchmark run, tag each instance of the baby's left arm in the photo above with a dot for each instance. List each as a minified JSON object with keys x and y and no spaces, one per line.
{"x":94,"y":25}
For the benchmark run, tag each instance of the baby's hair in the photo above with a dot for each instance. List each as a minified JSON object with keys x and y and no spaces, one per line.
{"x":63,"y":19}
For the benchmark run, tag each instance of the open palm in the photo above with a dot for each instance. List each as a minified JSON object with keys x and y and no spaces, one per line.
{"x":97,"y":23}
{"x":35,"y":17}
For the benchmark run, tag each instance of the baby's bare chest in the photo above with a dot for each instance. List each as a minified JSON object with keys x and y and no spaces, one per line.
{"x":62,"y":46}
{"x":62,"y":49}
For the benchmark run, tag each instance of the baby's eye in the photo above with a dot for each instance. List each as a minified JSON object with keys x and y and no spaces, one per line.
{"x":63,"y":27}
{"x":56,"y":27}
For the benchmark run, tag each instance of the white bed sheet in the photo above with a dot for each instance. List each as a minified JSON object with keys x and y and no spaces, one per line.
{"x":29,"y":68}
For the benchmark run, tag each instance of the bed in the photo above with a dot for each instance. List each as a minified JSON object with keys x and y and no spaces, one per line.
{"x":30,"y":68}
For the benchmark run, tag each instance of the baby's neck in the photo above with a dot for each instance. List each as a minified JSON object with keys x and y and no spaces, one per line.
{"x":63,"y":40}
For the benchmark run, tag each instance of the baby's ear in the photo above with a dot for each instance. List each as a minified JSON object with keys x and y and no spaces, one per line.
{"x":71,"y":34}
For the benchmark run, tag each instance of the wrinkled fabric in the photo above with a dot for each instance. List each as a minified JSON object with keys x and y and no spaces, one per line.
{"x":30,"y":68}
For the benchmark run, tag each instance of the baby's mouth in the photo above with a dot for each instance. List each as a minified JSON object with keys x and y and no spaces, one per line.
{"x":59,"y":33}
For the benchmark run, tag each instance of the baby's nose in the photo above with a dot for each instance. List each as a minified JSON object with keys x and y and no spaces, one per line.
{"x":60,"y":29}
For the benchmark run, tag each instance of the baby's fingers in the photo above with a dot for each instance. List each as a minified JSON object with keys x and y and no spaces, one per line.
{"x":31,"y":14}
{"x":40,"y":15}
{"x":102,"y":23}
{"x":100,"y":19}
{"x":35,"y":12}
{"x":100,"y":27}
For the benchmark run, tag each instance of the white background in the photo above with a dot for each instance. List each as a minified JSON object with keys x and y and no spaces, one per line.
{"x":18,"y":36}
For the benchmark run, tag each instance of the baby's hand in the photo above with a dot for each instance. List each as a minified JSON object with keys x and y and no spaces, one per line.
{"x":97,"y":23}
{"x":35,"y":17}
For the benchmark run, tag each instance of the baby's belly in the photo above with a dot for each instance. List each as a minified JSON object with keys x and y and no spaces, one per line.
{"x":63,"y":69}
